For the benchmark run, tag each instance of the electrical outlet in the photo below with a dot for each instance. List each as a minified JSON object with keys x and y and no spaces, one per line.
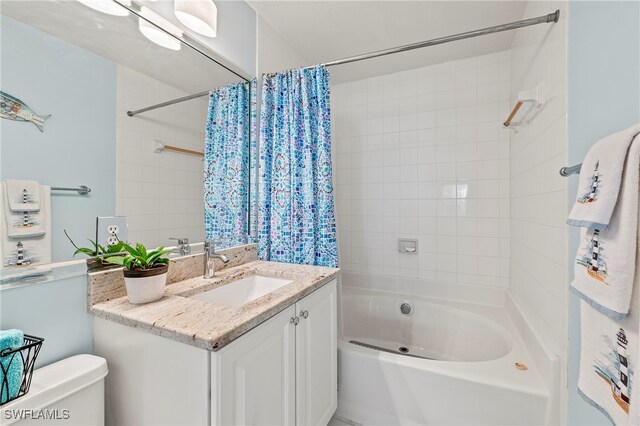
{"x":111,"y":229}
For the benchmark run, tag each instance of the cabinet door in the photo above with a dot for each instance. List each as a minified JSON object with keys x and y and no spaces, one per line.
{"x":253,"y":378}
{"x":316,"y":357}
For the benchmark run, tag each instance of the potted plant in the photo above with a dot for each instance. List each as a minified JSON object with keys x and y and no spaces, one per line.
{"x":145,"y":272}
{"x":97,"y":253}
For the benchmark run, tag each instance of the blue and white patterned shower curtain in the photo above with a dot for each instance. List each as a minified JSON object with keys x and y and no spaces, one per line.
{"x":296,"y":221}
{"x":226,"y":165}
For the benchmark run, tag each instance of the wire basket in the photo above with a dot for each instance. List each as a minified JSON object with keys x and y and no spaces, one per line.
{"x":25,"y":354}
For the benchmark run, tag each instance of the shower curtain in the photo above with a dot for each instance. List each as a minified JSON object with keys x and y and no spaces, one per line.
{"x":226,"y":165}
{"x":296,"y":222}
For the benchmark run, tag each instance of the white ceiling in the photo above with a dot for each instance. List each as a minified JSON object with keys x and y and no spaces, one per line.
{"x":322,"y":31}
{"x":118,"y":39}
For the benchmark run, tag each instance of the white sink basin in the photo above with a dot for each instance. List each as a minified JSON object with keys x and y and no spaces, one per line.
{"x":237,"y":293}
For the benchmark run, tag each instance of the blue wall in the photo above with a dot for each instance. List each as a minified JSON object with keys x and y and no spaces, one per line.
{"x":55,"y":310}
{"x":78,"y":146}
{"x":603,"y":97}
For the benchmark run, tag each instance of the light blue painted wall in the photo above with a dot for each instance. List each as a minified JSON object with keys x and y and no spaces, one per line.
{"x":78,"y":146}
{"x":53,"y":310}
{"x":603,"y":97}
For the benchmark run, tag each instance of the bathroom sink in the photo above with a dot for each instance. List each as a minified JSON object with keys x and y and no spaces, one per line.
{"x":237,"y":293}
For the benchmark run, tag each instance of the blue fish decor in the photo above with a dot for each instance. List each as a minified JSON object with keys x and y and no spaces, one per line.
{"x":14,"y":109}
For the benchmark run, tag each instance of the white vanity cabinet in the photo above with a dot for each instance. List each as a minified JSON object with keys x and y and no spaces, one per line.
{"x":283,"y":372}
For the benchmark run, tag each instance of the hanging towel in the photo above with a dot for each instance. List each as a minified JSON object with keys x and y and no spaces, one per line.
{"x":600,"y":178}
{"x":609,"y":372}
{"x":605,"y":264}
{"x":24,"y":251}
{"x":25,"y":223}
{"x":23,"y":195}
{"x":11,"y":366}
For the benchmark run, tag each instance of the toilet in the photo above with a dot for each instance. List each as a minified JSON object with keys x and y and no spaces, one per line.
{"x":67,"y":392}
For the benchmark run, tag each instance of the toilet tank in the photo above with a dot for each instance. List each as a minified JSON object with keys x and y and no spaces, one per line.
{"x":67,"y":392}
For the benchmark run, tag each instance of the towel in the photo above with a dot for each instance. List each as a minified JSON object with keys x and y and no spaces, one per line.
{"x":605,"y":265}
{"x":24,"y":223}
{"x":23,"y":195}
{"x":11,"y":366}
{"x":24,"y":251}
{"x":609,"y":370}
{"x":600,"y":178}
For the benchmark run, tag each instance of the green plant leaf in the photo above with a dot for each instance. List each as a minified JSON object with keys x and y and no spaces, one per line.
{"x":84,"y":250}
{"x":131,"y":250}
{"x":116,"y":260}
{"x":129,"y":262}
{"x":141,"y":249}
{"x":154,"y":255}
{"x":116,"y":248}
{"x":138,"y":257}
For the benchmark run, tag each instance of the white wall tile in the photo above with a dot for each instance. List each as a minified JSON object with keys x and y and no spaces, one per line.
{"x":420,"y":154}
{"x":538,"y":193}
{"x":161,"y":194}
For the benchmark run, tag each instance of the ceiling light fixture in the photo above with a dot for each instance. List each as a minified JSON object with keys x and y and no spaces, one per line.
{"x":109,"y":7}
{"x":200,"y":16}
{"x":155,"y":34}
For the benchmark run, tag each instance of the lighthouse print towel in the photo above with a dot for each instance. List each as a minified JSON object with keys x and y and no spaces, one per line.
{"x":605,"y":265}
{"x":21,"y":252}
{"x":600,"y":178}
{"x":609,"y":364}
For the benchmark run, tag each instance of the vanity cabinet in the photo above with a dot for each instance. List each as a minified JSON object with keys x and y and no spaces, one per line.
{"x":282,"y":372}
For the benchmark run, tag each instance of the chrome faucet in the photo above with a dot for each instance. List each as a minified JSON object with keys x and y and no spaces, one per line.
{"x":184,"y":248}
{"x":209,"y":258}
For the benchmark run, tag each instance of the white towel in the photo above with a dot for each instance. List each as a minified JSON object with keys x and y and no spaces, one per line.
{"x":22,"y":252}
{"x":22,"y":224}
{"x":600,"y":178}
{"x":602,"y":380}
{"x":23,"y":195}
{"x":605,"y":264}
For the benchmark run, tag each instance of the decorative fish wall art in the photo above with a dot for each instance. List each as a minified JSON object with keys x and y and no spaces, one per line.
{"x":14,"y":109}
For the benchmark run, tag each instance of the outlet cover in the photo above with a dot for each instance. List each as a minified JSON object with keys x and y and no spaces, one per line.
{"x":111,"y":229}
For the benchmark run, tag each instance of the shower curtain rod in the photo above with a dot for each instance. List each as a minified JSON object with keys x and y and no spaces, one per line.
{"x":544,"y":19}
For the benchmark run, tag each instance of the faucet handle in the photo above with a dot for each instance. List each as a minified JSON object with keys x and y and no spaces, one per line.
{"x":183,"y":246}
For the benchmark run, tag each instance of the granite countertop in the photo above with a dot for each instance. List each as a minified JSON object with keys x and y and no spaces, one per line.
{"x":209,"y":325}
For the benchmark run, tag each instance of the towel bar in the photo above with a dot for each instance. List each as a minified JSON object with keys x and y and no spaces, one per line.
{"x":567,"y":171}
{"x":81,"y":190}
{"x":160,"y":147}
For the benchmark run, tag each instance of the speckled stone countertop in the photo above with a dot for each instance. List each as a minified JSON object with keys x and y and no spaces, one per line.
{"x":208,"y":325}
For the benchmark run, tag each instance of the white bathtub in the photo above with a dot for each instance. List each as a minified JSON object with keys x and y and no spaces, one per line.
{"x":459,"y":366}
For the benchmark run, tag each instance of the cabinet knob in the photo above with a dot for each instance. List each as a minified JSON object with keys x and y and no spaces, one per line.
{"x":294,"y":320}
{"x":304,"y":314}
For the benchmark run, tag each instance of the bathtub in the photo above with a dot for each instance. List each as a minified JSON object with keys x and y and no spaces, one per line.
{"x":420,"y":360}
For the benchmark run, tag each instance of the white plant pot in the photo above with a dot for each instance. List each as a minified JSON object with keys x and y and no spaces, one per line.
{"x":145,"y":289}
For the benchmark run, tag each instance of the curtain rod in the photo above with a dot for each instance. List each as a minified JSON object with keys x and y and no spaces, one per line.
{"x":167,"y":103}
{"x":544,"y":19}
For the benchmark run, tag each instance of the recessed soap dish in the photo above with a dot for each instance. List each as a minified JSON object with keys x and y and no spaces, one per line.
{"x":408,"y":245}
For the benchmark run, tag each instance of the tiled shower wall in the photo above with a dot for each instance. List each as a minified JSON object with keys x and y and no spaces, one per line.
{"x":538,"y":192}
{"x":161,"y":194}
{"x":420,"y":154}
